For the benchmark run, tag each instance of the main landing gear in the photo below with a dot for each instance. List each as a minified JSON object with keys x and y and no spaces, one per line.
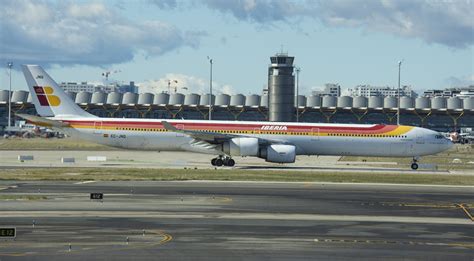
{"x":414,"y":164}
{"x":223,"y":161}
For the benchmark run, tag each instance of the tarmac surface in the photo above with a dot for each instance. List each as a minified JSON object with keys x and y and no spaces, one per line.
{"x":151,"y":159}
{"x":201,"y":220}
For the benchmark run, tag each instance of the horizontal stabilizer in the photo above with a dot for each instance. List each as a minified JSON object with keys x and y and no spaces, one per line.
{"x":40,"y":121}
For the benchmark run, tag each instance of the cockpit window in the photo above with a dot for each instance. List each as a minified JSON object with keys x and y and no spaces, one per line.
{"x":439,"y":137}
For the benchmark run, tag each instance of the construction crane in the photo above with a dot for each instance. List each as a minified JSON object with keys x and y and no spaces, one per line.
{"x":107,"y":73}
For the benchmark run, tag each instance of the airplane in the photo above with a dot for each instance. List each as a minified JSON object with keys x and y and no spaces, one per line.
{"x":277,"y":142}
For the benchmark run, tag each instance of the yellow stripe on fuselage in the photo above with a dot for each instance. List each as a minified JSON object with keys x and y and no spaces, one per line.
{"x":398,"y":131}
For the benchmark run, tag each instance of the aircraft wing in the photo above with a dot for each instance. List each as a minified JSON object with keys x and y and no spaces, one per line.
{"x":40,"y":121}
{"x":210,"y":137}
{"x":214,"y":137}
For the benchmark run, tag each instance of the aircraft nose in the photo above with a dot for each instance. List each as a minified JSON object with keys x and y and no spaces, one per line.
{"x":449,"y":144}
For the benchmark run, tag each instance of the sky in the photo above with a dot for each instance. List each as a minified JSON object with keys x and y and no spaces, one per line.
{"x":349,"y":42}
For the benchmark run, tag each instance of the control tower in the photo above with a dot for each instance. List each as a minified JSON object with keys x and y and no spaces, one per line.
{"x":281,"y":88}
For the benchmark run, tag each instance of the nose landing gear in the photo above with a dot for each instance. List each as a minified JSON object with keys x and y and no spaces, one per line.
{"x":414,"y":164}
{"x":223,"y":161}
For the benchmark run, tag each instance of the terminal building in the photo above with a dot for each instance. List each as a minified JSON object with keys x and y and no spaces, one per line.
{"x":330,"y":89}
{"x":368,"y":105}
{"x":463,"y":92}
{"x":438,"y":113}
{"x":368,"y":91}
{"x":90,"y":87}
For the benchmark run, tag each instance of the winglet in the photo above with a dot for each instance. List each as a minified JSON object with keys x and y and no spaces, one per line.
{"x":169,"y":127}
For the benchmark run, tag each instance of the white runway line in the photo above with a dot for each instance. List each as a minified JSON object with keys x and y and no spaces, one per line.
{"x":85,"y":182}
{"x":240,"y":216}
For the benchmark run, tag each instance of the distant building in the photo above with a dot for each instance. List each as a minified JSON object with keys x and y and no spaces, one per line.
{"x":131,"y":87}
{"x":451,"y":92}
{"x":330,"y":89}
{"x":90,"y":87}
{"x":79,"y":87}
{"x":368,"y":91}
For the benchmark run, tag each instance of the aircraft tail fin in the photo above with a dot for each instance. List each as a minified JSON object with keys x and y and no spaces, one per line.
{"x":49,"y":99}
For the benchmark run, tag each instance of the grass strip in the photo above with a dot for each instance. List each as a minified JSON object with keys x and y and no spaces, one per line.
{"x":108,"y":174}
{"x":22,"y":197}
{"x":50,"y":144}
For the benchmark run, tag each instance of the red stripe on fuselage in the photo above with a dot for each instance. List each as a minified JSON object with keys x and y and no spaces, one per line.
{"x":375,"y":129}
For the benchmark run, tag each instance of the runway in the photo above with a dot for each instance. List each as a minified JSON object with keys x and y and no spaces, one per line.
{"x":201,"y":220}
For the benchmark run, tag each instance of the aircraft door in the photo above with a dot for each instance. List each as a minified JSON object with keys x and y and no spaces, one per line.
{"x":97,"y":127}
{"x":315,"y":134}
{"x":180,"y":127}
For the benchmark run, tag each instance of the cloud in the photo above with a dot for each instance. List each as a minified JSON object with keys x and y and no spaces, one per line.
{"x":91,"y":34}
{"x":463,"y":81}
{"x":259,"y":11}
{"x":164,"y":3}
{"x":184,"y":84}
{"x":448,"y":23}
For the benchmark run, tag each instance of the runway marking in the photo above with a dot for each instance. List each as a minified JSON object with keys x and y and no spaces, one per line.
{"x":237,"y":215}
{"x":423,"y":205}
{"x":224,"y":199}
{"x":85,"y":182}
{"x":137,"y":241}
{"x":9,"y":187}
{"x":464,"y":208}
{"x":392,"y":242}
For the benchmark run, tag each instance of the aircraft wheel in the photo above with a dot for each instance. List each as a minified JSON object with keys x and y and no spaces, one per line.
{"x":414,"y":166}
{"x":219,"y":162}
{"x":213,"y":162}
{"x":230,"y":162}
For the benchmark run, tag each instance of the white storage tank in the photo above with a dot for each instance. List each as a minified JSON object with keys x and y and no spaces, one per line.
{"x":454,"y":103}
{"x":438,"y":103}
{"x":19,"y":96}
{"x":422,"y":103}
{"x":83,"y":97}
{"x":177,"y":99}
{"x":359,"y":102}
{"x":407,"y":103}
{"x":161,"y":98}
{"x":390,"y":102}
{"x":252,"y":100}
{"x":301,"y":101}
{"x":375,"y":102}
{"x":329,"y":101}
{"x":114,"y":98}
{"x":468,"y":103}
{"x":192,"y":99}
{"x":130,"y":98}
{"x":4,"y":96}
{"x":264,"y":101}
{"x":344,"y":102}
{"x":99,"y":98}
{"x":237,"y":100}
{"x":71,"y":95}
{"x":205,"y":99}
{"x":223,"y":100}
{"x":314,"y":101}
{"x":145,"y":98}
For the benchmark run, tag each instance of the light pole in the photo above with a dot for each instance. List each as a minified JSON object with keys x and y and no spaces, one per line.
{"x":398,"y":104}
{"x":298,"y":69}
{"x":10,"y":65}
{"x":210,"y":89}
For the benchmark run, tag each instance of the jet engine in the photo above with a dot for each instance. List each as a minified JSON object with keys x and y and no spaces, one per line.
{"x":241,"y":147}
{"x":279,"y":153}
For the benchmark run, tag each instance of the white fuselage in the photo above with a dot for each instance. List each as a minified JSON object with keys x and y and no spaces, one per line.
{"x":309,"y":139}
